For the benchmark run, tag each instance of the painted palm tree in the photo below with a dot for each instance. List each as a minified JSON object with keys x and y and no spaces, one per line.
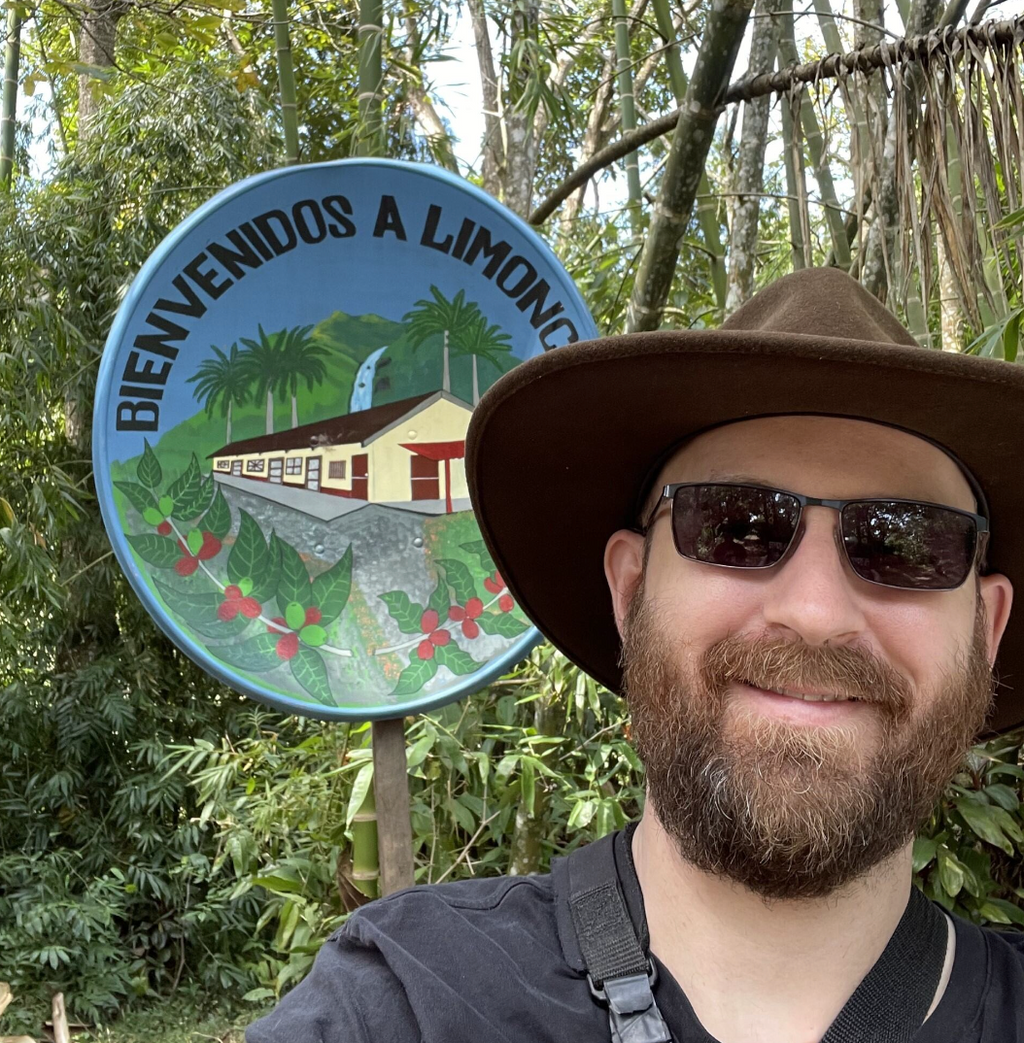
{"x":479,"y":339}
{"x":302,"y":359}
{"x":263,"y":367}
{"x":443,"y":316}
{"x":222,"y":381}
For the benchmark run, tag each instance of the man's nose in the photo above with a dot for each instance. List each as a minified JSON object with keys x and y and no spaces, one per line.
{"x":811,"y":595}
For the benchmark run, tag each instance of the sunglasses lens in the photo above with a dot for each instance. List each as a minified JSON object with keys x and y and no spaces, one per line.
{"x":911,"y":545}
{"x":742,"y":526}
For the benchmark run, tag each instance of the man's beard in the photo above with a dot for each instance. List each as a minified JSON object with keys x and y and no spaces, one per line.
{"x":791,"y":811}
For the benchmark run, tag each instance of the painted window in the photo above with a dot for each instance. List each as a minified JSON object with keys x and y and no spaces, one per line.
{"x":254,"y":465}
{"x":293,"y":465}
{"x":223,"y":465}
{"x":337,"y":469}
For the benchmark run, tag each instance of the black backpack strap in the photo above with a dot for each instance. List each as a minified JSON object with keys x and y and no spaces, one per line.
{"x":891,"y":1002}
{"x":619,"y":971}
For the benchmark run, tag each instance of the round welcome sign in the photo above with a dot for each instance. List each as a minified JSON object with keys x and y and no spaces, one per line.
{"x":280,"y":432}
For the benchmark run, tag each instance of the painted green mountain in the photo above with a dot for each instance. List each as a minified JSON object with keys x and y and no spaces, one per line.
{"x":402,"y":371}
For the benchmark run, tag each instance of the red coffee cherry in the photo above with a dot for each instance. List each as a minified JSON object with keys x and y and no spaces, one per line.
{"x":186,"y":565}
{"x":470,"y":629}
{"x":506,"y":603}
{"x":425,"y":650}
{"x":474,"y":608}
{"x":281,"y":628}
{"x":287,"y":646}
{"x":227,"y":610}
{"x":313,"y":615}
{"x":440,"y":638}
{"x":164,"y":528}
{"x":232,"y":593}
{"x":249,"y":607}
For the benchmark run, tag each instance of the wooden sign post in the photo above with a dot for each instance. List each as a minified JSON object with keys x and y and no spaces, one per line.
{"x":391,"y":789}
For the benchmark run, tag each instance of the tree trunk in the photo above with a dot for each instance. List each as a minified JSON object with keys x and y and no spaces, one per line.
{"x":492,"y":149}
{"x":750,"y":165}
{"x":520,"y":145}
{"x":12,"y":59}
{"x":227,"y":434}
{"x":627,"y":107}
{"x":476,"y":384}
{"x":270,"y":411}
{"x":446,"y":376}
{"x":286,"y":83}
{"x":97,"y":37}
{"x":723,"y":33}
{"x":295,"y":412}
{"x":371,"y":16}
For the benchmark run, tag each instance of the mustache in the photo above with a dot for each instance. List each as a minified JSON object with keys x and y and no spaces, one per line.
{"x":773,"y":663}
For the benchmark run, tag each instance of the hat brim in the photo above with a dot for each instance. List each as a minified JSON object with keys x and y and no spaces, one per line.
{"x":560,"y":449}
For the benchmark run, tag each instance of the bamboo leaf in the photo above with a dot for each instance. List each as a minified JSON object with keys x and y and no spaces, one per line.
{"x":360,"y":787}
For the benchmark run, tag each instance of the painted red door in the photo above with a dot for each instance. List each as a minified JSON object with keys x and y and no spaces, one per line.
{"x":425,"y":483}
{"x":361,"y":477}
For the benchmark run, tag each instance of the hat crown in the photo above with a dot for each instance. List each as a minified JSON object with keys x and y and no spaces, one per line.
{"x":820,"y":302}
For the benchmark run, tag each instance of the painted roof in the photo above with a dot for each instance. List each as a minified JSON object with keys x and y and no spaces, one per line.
{"x":340,"y":430}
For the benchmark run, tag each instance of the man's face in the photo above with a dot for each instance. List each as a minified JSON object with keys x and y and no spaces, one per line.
{"x":793,"y":796}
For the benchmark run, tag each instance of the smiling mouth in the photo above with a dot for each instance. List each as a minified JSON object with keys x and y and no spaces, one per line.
{"x":804,"y":696}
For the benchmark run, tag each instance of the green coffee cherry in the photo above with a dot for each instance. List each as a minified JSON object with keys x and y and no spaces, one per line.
{"x":314,"y":635}
{"x":295,"y":615}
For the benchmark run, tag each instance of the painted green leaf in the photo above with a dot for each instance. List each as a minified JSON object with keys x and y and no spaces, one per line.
{"x":331,"y":589}
{"x":138,"y":496}
{"x":293,"y":582}
{"x":479,"y":550}
{"x":249,"y":555}
{"x":218,"y":517}
{"x":263,"y":586}
{"x":184,"y":490}
{"x":503,"y":624}
{"x":458,"y":661}
{"x":149,"y":470}
{"x":415,"y":676}
{"x":310,"y":670}
{"x":257,"y":654}
{"x":407,"y":614}
{"x":204,"y":497}
{"x":194,"y":606}
{"x":161,"y":551}
{"x":245,"y":586}
{"x":439,"y":601}
{"x":460,"y":579}
{"x":217,"y":627}
{"x":195,"y":541}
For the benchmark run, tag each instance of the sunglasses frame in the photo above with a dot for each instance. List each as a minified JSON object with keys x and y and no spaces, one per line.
{"x":981,"y":527}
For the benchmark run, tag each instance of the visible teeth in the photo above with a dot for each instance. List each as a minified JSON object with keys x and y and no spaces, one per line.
{"x":812,"y":697}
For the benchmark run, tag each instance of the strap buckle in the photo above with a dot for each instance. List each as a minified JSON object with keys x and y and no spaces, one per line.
{"x":633,"y":1014}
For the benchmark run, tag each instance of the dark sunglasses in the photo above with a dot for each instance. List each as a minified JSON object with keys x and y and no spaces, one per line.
{"x":907,"y":544}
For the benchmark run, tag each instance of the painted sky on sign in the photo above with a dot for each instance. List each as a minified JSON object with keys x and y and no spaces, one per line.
{"x":358,"y":275}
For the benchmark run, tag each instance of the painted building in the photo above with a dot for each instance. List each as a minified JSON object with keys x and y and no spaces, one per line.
{"x":397,"y":453}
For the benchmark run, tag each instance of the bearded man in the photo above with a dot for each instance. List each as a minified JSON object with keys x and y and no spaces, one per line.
{"x":791,"y":544}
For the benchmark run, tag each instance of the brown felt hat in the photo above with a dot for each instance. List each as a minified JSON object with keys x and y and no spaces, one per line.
{"x":561,"y":449}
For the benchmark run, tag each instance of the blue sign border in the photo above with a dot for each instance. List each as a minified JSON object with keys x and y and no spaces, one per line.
{"x":104,"y":486}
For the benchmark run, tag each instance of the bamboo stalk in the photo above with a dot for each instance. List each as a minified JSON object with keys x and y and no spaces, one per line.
{"x":12,"y":59}
{"x":707,"y":205}
{"x":365,"y":860}
{"x":627,"y":108}
{"x":723,"y":33}
{"x":286,"y":82}
{"x":816,"y":149}
{"x":370,"y":141}
{"x":793,"y":191}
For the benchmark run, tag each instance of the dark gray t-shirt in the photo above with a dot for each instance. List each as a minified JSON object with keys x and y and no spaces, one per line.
{"x":495,"y":961}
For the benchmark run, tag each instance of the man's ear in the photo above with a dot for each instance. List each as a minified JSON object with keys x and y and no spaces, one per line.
{"x":623,"y":569}
{"x":997,"y":597}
